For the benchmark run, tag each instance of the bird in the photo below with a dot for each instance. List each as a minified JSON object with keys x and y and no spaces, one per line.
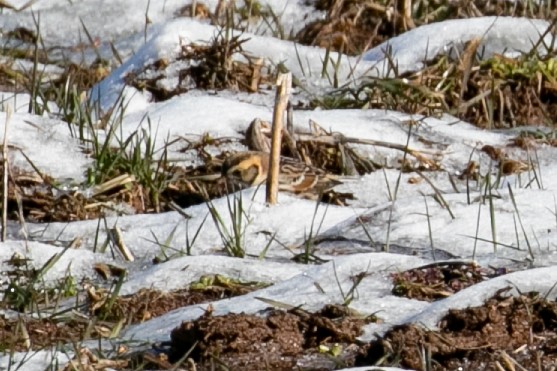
{"x":250,"y":168}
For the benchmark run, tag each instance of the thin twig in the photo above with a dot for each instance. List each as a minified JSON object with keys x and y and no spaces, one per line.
{"x":338,"y":138}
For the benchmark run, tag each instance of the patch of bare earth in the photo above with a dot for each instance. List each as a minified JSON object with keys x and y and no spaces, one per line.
{"x":278,"y":340}
{"x":22,"y":335}
{"x":147,"y":303}
{"x":26,"y":333}
{"x":506,"y":333}
{"x":436,"y":281}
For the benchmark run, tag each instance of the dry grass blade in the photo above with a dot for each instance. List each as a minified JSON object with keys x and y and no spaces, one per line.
{"x":92,"y":42}
{"x":467,"y":62}
{"x":438,"y":194}
{"x":7,"y":5}
{"x":115,"y":235}
{"x":5,"y":167}
{"x":116,"y":182}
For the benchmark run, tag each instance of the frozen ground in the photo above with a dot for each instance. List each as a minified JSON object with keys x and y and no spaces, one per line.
{"x":413,"y":223}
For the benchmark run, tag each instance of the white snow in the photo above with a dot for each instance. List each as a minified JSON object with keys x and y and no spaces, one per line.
{"x":403,"y":222}
{"x":499,"y":35}
{"x":62,"y":158}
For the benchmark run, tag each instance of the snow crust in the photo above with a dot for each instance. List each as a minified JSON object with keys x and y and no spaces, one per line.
{"x":462,"y":230}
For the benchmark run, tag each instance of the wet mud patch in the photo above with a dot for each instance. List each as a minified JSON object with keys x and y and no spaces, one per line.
{"x":278,"y":340}
{"x":506,"y":333}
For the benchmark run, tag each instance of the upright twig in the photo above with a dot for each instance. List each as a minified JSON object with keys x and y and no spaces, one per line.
{"x":5,"y":178}
{"x":284,"y":84}
{"x":193,"y":8}
{"x":34,"y":77}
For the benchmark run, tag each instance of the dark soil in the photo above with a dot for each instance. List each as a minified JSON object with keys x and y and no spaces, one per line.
{"x":25,"y":333}
{"x":147,"y":304}
{"x":439,"y":280}
{"x":278,"y":340}
{"x":506,"y":333}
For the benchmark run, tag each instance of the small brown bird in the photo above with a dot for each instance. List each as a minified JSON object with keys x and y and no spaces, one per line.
{"x":251,"y":168}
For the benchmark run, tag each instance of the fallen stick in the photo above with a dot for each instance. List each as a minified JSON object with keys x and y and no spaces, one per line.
{"x":338,"y":138}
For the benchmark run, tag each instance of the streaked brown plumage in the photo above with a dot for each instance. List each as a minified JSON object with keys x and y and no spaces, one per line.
{"x":251,"y":168}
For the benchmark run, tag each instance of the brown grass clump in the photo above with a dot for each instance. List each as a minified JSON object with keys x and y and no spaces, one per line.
{"x":497,"y":92}
{"x":220,"y":64}
{"x":353,"y":26}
